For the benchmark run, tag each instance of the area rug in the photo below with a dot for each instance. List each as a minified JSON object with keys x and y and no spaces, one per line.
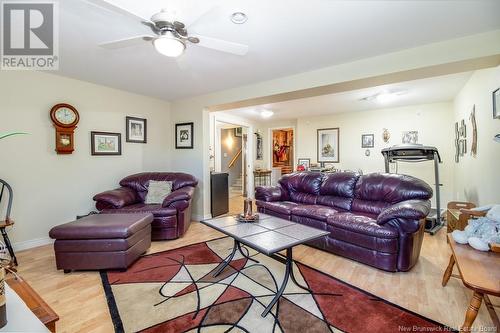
{"x":174,"y":291}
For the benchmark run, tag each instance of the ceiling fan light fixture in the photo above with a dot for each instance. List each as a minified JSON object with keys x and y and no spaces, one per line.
{"x":239,"y":18}
{"x":169,"y":45}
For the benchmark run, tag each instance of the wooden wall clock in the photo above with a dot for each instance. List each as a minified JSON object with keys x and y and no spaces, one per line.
{"x":65,"y":118}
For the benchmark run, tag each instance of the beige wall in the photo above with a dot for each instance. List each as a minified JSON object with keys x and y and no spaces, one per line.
{"x":196,"y":161}
{"x":477,"y":178}
{"x":51,"y":189}
{"x":434,"y":123}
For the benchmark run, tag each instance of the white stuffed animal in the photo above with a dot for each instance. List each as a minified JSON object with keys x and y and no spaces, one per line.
{"x":482,"y":231}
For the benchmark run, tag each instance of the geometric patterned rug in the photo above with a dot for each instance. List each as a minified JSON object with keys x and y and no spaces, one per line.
{"x":174,"y":291}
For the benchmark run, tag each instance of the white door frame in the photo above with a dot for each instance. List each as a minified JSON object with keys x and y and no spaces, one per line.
{"x":250,"y":153}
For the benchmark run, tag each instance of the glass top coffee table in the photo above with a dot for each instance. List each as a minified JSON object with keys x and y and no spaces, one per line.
{"x":269,"y":235}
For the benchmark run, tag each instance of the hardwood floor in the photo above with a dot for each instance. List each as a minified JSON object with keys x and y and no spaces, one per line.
{"x":79,"y":300}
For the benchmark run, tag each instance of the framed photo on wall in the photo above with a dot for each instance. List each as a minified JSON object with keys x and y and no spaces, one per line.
{"x":496,"y":104}
{"x":367,"y":140}
{"x":105,"y":143}
{"x":136,"y":130}
{"x":184,"y":136}
{"x":328,"y":145}
{"x":238,"y":132}
{"x":305,"y":162}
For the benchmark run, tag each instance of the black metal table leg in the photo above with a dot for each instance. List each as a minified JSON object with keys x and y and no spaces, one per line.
{"x":292,"y":275}
{"x":226,"y":261}
{"x":244,"y":254}
{"x":288,"y":268}
{"x":9,"y":245}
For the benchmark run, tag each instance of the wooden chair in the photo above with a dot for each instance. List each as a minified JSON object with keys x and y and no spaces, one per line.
{"x":456,"y":219}
{"x":7,"y":222}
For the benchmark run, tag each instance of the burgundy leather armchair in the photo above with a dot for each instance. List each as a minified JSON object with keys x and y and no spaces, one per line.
{"x":171,"y":218}
{"x":376,"y":219}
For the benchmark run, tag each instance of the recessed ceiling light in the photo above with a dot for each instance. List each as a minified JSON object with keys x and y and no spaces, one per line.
{"x":238,"y":18}
{"x":266,"y":113}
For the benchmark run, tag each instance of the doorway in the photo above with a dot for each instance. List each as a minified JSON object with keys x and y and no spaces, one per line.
{"x":282,"y":149}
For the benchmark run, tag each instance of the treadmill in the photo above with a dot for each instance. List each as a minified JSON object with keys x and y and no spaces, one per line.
{"x":415,"y":153}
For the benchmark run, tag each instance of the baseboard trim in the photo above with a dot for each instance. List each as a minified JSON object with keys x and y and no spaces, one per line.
{"x":29,"y":244}
{"x":199,"y":218}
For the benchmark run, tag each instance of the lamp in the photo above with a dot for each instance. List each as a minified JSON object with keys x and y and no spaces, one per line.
{"x":169,"y":45}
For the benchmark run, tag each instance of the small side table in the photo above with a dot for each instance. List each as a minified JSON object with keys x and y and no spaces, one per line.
{"x":34,"y":302}
{"x":262,"y":177}
{"x":480,"y":272}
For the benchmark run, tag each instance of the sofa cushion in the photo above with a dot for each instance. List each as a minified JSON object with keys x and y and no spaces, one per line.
{"x":318,"y":212}
{"x":140,"y":181}
{"x":337,"y":190}
{"x":376,"y":191}
{"x":155,"y":209}
{"x":302,"y":182}
{"x":282,"y":207}
{"x":361,"y":224}
{"x":391,"y":188}
{"x":158,"y":191}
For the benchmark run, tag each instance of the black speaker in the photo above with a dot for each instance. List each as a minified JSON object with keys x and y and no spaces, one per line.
{"x":219,"y":193}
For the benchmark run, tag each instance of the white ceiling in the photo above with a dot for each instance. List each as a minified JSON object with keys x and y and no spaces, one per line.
{"x":431,"y":90}
{"x":284,"y":37}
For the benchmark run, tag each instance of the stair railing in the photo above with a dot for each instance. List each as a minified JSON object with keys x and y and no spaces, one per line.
{"x":234,"y":159}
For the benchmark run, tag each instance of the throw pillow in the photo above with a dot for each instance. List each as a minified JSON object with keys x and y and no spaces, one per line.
{"x":158,"y":191}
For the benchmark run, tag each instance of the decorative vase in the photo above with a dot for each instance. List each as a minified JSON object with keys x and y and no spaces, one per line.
{"x":247,"y":208}
{"x":3,"y":307}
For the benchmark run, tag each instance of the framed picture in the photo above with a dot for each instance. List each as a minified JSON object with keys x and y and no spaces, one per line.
{"x":305,"y":162}
{"x":184,"y":136}
{"x":328,"y":145}
{"x":105,"y":143}
{"x":496,"y":104}
{"x":367,"y":140}
{"x":136,"y":130}
{"x":259,"y":146}
{"x":238,"y":131}
{"x":409,"y":137}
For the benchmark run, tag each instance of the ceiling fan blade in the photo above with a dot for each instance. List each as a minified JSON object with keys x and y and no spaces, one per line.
{"x":222,"y":45}
{"x":190,"y":15}
{"x":126,"y":42}
{"x":113,"y":7}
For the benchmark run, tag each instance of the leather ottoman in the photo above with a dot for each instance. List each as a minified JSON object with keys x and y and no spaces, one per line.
{"x":102,"y":241}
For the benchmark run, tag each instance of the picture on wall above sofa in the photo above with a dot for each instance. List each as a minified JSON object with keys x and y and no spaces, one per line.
{"x":184,"y":136}
{"x":105,"y":143}
{"x":136,"y":130}
{"x":367,"y":141}
{"x":328,"y":145}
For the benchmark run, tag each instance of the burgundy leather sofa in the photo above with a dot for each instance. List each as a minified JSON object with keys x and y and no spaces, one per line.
{"x":171,"y":218}
{"x":376,"y":219}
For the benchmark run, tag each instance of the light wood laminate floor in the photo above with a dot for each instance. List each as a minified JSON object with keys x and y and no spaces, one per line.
{"x":79,"y":300}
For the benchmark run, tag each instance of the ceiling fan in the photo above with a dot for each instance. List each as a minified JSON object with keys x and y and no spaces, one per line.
{"x":170,"y":37}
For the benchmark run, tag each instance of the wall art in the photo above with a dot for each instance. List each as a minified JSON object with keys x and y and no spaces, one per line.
{"x":184,"y":136}
{"x":328,"y":145}
{"x":409,"y":137}
{"x":367,"y":141}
